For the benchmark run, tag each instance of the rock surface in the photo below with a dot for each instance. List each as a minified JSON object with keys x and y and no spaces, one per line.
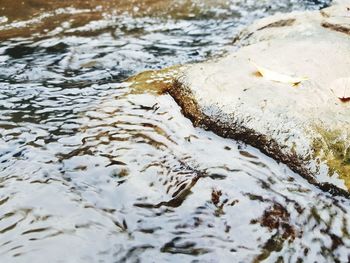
{"x":305,"y":126}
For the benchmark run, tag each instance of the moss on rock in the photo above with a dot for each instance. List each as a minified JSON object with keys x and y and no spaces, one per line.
{"x":154,"y":81}
{"x":333,"y":148}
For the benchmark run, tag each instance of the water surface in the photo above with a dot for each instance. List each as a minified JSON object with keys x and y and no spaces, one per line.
{"x":91,"y":172}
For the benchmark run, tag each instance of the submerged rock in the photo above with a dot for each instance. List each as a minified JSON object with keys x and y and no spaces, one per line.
{"x":38,"y":17}
{"x":303,"y":123}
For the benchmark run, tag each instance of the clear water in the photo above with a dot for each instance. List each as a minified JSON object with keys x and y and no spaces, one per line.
{"x":91,"y":172}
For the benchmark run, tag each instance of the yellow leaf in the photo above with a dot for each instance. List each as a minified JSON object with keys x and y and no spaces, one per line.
{"x":278,"y":77}
{"x":341,"y":89}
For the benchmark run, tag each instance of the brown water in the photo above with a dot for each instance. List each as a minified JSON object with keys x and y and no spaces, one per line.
{"x":91,"y":172}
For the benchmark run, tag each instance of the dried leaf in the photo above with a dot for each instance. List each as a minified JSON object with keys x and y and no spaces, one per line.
{"x":278,"y":77}
{"x":341,"y":89}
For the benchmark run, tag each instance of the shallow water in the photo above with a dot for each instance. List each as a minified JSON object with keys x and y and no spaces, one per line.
{"x":91,"y":172}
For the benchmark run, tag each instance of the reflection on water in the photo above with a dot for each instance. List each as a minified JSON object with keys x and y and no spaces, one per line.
{"x":91,"y":172}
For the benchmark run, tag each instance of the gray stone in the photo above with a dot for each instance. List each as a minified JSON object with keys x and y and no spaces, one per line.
{"x":302,"y":123}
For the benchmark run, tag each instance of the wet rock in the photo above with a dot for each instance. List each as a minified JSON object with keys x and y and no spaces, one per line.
{"x":154,"y":81}
{"x":304,"y":125}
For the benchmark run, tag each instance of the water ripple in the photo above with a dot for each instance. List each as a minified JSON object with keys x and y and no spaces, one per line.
{"x":111,"y":176}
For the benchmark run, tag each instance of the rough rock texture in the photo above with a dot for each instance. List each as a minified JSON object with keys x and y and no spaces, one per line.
{"x":305,"y":126}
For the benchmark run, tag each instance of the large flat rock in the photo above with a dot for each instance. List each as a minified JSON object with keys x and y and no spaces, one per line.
{"x":305,"y":125}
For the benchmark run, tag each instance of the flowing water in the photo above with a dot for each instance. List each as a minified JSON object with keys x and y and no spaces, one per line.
{"x":92,"y":172}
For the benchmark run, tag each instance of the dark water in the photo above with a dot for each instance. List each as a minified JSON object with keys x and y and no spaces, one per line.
{"x":91,"y":172}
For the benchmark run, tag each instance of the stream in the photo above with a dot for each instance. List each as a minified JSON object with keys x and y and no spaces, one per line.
{"x":91,"y":171}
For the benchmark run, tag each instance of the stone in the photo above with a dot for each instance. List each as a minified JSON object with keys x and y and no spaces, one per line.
{"x":305,"y":126}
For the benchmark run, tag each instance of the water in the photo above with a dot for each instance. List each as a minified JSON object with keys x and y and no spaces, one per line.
{"x":91,"y":172}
